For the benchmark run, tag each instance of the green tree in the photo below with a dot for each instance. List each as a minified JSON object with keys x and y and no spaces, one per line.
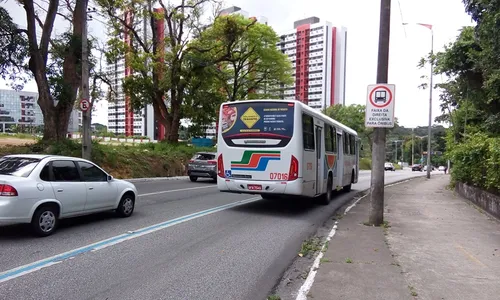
{"x":13,"y":51}
{"x":243,"y":58}
{"x":55,"y":61}
{"x":161,"y":73}
{"x":352,"y":116}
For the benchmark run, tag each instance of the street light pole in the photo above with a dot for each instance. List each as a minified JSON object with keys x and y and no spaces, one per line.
{"x":412,"y":147}
{"x":429,"y":132}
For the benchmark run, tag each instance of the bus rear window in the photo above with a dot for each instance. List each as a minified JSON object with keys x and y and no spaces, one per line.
{"x":257,"y":124}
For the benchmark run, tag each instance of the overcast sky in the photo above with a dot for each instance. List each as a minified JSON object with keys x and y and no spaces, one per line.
{"x":361,"y":17}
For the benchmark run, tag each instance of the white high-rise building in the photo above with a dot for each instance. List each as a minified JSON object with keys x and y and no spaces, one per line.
{"x":318,"y":55}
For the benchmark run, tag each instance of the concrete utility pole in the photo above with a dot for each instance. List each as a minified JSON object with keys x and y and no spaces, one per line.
{"x":378,"y":153}
{"x":86,"y":139}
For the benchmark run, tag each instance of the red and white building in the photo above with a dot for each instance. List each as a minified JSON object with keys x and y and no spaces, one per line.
{"x":122,"y":120}
{"x":317,"y":51}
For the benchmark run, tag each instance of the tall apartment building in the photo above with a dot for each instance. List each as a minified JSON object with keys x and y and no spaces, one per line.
{"x":317,"y":51}
{"x":122,"y":119}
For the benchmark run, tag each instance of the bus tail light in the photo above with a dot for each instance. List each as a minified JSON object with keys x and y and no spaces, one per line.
{"x":220,"y":166}
{"x":294,"y":169}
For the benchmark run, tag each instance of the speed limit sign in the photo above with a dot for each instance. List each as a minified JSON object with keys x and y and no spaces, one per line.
{"x":84,"y":104}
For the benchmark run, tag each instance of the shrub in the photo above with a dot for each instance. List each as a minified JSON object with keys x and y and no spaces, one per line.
{"x":476,"y":161}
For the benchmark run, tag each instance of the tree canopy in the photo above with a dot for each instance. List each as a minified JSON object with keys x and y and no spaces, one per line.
{"x":470,"y":98}
{"x":243,"y":59}
{"x":13,"y":51}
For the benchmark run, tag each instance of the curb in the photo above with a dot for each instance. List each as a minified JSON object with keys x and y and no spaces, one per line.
{"x":156,"y":179}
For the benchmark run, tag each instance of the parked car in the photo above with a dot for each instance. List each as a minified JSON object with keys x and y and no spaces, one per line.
{"x":432,"y":168}
{"x":416,"y":167}
{"x":203,"y":164}
{"x":42,"y":189}
{"x":389,"y":167}
{"x":441,"y":168}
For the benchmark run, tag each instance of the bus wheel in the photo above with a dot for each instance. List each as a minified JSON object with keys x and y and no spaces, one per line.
{"x":348,"y":187}
{"x":327,"y":198}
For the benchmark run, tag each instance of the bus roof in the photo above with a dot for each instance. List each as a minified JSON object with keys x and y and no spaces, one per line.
{"x":304,"y":107}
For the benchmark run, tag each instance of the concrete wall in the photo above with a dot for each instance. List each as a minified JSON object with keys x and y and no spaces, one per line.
{"x":487,"y":201}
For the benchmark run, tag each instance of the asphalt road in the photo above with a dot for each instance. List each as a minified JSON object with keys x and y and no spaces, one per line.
{"x":231,"y":250}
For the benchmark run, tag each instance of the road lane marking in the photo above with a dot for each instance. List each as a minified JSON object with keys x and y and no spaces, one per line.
{"x":469,"y":255}
{"x":50,"y":261}
{"x":304,"y":289}
{"x":178,"y":190}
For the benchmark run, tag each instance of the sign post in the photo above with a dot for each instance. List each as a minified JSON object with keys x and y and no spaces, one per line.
{"x":379,"y":95}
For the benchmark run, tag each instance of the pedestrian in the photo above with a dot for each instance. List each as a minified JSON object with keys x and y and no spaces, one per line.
{"x":445,"y":170}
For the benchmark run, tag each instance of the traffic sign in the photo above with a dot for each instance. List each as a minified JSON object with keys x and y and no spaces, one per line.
{"x":84,"y":105}
{"x":380,"y":105}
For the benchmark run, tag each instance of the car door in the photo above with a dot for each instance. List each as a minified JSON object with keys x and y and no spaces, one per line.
{"x":101,"y":193}
{"x":68,"y":187}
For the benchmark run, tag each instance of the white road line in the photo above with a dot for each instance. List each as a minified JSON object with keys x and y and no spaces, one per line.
{"x":306,"y":287}
{"x":50,"y":261}
{"x":354,"y":204}
{"x":178,"y":190}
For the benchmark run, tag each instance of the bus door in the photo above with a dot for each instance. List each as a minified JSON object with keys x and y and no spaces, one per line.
{"x":340,"y":160}
{"x":319,"y":160}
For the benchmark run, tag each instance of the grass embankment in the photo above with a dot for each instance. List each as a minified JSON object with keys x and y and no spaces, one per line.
{"x":121,"y":161}
{"x":365,"y":164}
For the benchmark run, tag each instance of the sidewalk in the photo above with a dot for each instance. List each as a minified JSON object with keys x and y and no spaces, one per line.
{"x":436,"y":246}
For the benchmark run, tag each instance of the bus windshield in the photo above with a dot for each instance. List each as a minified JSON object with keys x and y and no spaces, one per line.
{"x":257,"y":124}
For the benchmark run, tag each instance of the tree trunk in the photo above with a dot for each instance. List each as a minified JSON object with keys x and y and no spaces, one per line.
{"x":56,"y":122}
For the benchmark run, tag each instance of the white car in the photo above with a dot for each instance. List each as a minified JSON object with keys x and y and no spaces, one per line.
{"x":441,"y":168}
{"x":42,"y":189}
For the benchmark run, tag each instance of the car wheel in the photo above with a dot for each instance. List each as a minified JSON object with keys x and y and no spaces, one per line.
{"x":193,"y":178}
{"x":126,"y":206}
{"x":45,"y":220}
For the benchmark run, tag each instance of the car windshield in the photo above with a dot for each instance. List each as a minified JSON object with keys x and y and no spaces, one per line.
{"x":18,"y":166}
{"x":204,"y":156}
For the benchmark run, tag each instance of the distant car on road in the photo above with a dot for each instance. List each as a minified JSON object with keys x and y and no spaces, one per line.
{"x":441,"y":168}
{"x":389,"y":167}
{"x":432,"y":168}
{"x":203,"y":164}
{"x":416,"y":167}
{"x":42,"y":189}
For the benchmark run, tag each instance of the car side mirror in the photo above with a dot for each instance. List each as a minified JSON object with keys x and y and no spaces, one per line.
{"x":110,"y":178}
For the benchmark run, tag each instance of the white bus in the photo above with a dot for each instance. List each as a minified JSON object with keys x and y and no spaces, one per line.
{"x":281,"y":147}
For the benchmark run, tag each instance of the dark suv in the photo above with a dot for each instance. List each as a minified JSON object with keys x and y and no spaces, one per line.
{"x":417,"y":167}
{"x":203,"y":164}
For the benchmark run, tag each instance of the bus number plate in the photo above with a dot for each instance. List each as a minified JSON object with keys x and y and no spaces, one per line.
{"x":278,"y":176}
{"x":255,"y":187}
